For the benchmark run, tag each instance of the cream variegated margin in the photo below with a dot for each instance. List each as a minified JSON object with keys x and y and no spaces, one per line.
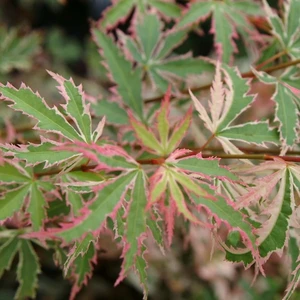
{"x":226,"y":104}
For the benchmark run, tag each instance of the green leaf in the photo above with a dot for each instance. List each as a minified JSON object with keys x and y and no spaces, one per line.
{"x":183,"y":67}
{"x":294,"y":252}
{"x":102,"y":206}
{"x":239,"y":88}
{"x":178,"y":198}
{"x":136,"y":220}
{"x":146,"y":136}
{"x":75,"y":200}
{"x":188,"y":183}
{"x":116,"y":161}
{"x":276,"y":24}
{"x":10,"y":174}
{"x":250,"y":7}
{"x":159,"y":188}
{"x":16,"y":52}
{"x":223,"y":33}
{"x":163,"y":125}
{"x":129,"y":82}
{"x":28,"y":269}
{"x":167,"y":8}
{"x":295,"y":268}
{"x":196,"y":11}
{"x":293,"y":20}
{"x":204,"y":166}
{"x":178,"y":133}
{"x":171,"y":40}
{"x":225,"y":212}
{"x":57,"y":208}
{"x":7,"y":253}
{"x":49,"y":119}
{"x":141,"y":266}
{"x":86,"y":176}
{"x":116,"y":12}
{"x":276,"y":227}
{"x":257,"y":133}
{"x":149,"y":33}
{"x":13,"y":201}
{"x":82,"y":267}
{"x":156,"y":230}
{"x":36,"y":207}
{"x":112,"y":111}
{"x":80,"y":248}
{"x":286,"y":113}
{"x":76,"y":109}
{"x":44,"y":153}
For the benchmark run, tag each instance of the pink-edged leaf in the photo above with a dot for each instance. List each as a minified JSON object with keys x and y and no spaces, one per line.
{"x":225,"y":105}
{"x":146,"y":136}
{"x":206,"y":167}
{"x":216,"y":104}
{"x":195,"y":13}
{"x":116,"y":13}
{"x":136,"y":225}
{"x":179,"y":132}
{"x":162,"y":118}
{"x":105,"y":204}
{"x":158,"y":185}
{"x":129,"y":83}
{"x":8,"y":250}
{"x":13,"y":201}
{"x":222,"y":211}
{"x":294,"y":251}
{"x":238,"y":89}
{"x":82,"y":267}
{"x":79,"y":248}
{"x":36,"y":207}
{"x":43,"y":153}
{"x":12,"y":173}
{"x":228,"y":17}
{"x":31,"y":104}
{"x":99,"y":130}
{"x":294,"y":282}
{"x":177,"y":196}
{"x":224,"y":32}
{"x":107,"y":156}
{"x":27,"y":271}
{"x":272,"y":236}
{"x":286,"y":110}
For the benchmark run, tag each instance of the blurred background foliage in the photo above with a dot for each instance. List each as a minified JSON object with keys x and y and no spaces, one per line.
{"x":36,"y":35}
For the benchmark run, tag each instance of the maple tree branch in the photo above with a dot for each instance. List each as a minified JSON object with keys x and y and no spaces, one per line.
{"x":244,"y":75}
{"x":161,"y":160}
{"x":207,"y":142}
{"x":272,"y":58}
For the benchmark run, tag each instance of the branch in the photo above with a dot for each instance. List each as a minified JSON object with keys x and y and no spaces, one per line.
{"x":161,"y":160}
{"x":244,"y":75}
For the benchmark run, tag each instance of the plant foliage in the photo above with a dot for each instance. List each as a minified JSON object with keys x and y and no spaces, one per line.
{"x":80,"y":179}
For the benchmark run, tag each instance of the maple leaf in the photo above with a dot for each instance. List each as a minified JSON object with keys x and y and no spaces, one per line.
{"x":228,"y":19}
{"x":226,"y":104}
{"x":28,"y":266}
{"x":168,"y":140}
{"x":185,"y":181}
{"x":121,"y":9}
{"x":152,"y":51}
{"x":271,"y":197}
{"x":287,"y":104}
{"x":51,"y":119}
{"x":286,"y":31}
{"x":17,"y":52}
